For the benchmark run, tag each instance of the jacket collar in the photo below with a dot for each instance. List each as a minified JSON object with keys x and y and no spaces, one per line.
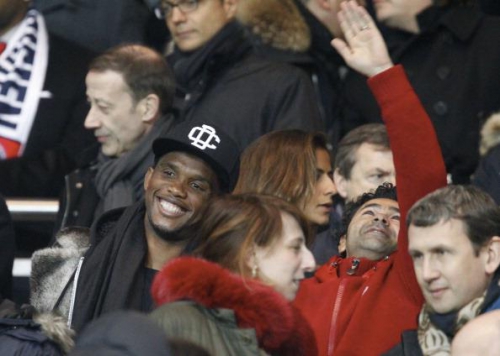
{"x":278,"y":325}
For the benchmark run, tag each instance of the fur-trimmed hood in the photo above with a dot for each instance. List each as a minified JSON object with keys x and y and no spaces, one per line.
{"x":53,"y":267}
{"x":280,"y":328}
{"x":490,"y":134}
{"x":55,"y":328}
{"x":278,"y":23}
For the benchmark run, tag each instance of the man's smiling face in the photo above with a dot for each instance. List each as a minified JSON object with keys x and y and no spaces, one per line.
{"x":176,"y":190}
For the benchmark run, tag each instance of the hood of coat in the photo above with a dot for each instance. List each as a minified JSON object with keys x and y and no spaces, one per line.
{"x":278,"y":23}
{"x":280,"y":328}
{"x":490,"y":134}
{"x":56,"y":329}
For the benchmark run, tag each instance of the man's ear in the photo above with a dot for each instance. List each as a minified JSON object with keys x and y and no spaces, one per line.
{"x":340,"y":183}
{"x":230,"y":7}
{"x":147,"y":177}
{"x":150,"y":108}
{"x":493,"y":255}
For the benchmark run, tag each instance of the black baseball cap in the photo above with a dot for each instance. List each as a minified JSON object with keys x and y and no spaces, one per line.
{"x":207,"y":142}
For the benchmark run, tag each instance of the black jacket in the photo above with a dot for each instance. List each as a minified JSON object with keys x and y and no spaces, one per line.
{"x":450,"y":64}
{"x":225,"y":84}
{"x":111,"y":276}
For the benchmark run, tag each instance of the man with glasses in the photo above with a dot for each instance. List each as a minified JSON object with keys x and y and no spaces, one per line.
{"x":219,"y":77}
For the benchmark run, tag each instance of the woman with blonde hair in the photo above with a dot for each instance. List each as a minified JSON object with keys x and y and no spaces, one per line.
{"x":234,"y":297}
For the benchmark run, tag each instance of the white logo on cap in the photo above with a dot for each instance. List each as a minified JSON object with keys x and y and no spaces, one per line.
{"x":204,"y":137}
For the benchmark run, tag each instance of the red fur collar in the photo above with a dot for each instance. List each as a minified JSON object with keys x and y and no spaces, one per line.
{"x":280,"y":328}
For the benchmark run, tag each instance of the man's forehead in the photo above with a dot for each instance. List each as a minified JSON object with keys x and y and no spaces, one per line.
{"x":187,"y":161}
{"x":444,"y":232}
{"x":381,"y":203}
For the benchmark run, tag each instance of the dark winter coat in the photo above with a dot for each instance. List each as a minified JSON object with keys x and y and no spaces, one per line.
{"x":453,"y":64}
{"x":285,"y":31}
{"x":224,"y":84}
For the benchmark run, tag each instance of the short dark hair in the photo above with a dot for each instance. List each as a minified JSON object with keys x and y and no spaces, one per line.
{"x":375,"y":134}
{"x":384,"y":191}
{"x":477,"y":211}
{"x":144,"y":70}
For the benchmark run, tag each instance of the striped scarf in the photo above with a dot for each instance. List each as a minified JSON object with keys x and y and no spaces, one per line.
{"x":23,"y":66}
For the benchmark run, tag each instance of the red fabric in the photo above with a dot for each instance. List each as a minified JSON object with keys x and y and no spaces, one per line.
{"x":2,"y":47}
{"x":364,"y":314}
{"x":9,"y":148}
{"x":279,"y":326}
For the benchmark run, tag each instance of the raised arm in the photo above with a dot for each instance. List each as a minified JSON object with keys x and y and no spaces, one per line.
{"x":417,"y":155}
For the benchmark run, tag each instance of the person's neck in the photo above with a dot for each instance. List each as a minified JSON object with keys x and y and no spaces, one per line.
{"x":408,"y":24}
{"x":161,"y":251}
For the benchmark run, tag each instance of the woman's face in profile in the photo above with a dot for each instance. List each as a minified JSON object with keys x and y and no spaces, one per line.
{"x":284,"y":263}
{"x":317,"y":209}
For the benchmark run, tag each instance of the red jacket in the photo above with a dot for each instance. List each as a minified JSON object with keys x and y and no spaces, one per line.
{"x":364,"y":314}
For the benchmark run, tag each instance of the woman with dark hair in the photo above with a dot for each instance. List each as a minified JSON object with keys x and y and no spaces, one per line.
{"x":234,"y":297}
{"x":294,"y":165}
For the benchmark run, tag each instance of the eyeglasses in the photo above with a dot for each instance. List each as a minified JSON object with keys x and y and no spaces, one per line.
{"x":165,"y":8}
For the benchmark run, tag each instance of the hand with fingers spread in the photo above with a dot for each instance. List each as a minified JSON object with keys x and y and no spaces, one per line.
{"x":363,"y":49}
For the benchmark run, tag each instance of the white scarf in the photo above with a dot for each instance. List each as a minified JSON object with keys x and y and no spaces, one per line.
{"x":23,"y":66}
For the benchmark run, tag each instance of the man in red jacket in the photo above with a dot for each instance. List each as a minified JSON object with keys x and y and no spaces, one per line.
{"x":360,"y":304}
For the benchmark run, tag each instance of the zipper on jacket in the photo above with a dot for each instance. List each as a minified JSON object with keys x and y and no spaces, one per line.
{"x":354,"y":267}
{"x":68,"y":205}
{"x":335,"y":314}
{"x":73,"y":292}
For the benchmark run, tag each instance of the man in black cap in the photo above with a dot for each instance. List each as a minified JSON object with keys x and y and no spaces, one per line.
{"x":128,"y":245}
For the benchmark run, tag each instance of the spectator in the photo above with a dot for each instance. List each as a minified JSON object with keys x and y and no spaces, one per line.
{"x":437,"y":43}
{"x":487,"y":176}
{"x":128,"y":245}
{"x":374,"y":284}
{"x":363,"y":161}
{"x":42,"y":104}
{"x":321,"y":19}
{"x":285,"y":31}
{"x":130,"y":89}
{"x":7,"y":252}
{"x":234,"y":298}
{"x":304,"y":178}
{"x":454,"y":240}
{"x":479,"y":337}
{"x":219,"y":78}
{"x":310,"y":187}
